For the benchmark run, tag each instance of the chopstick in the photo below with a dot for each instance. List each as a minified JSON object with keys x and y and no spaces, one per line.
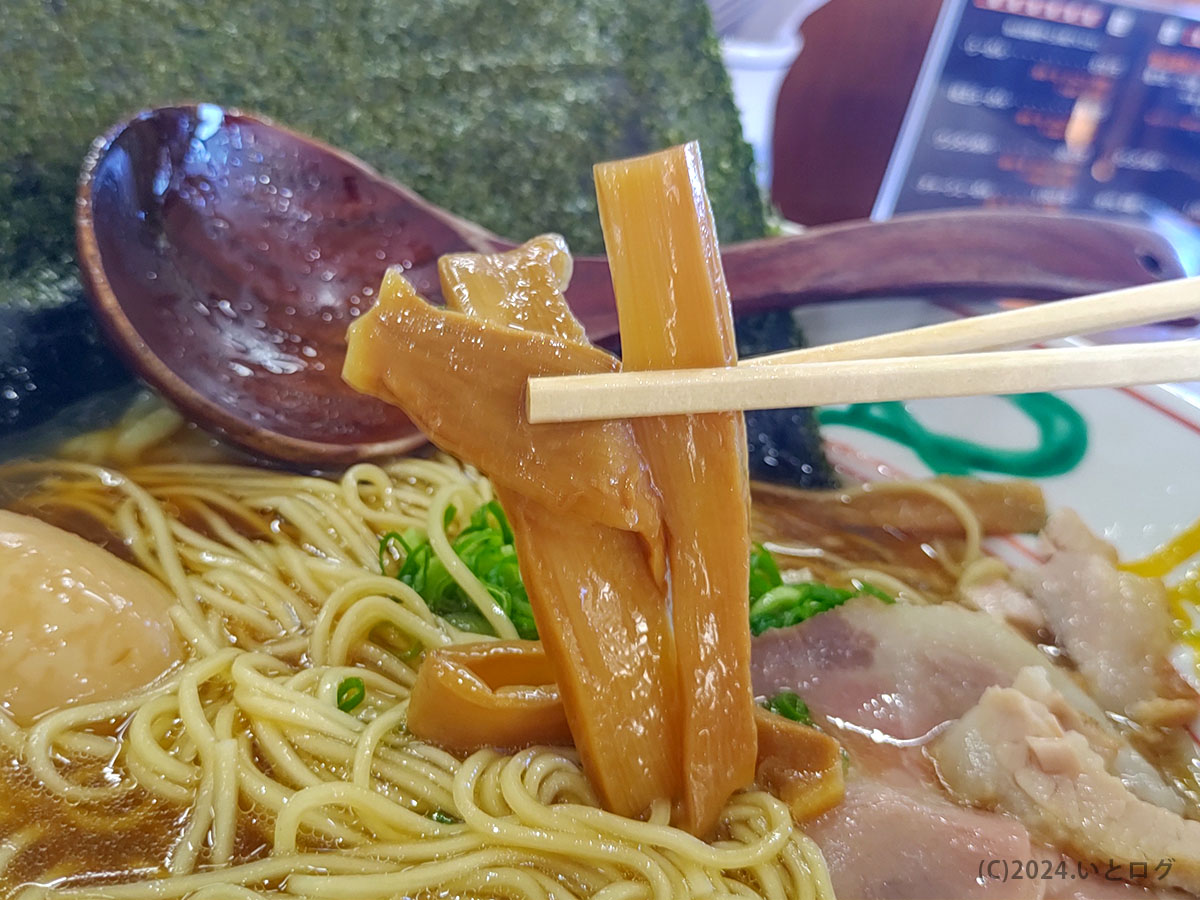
{"x":906,"y":365}
{"x":1159,"y":302}
{"x":576,"y":398}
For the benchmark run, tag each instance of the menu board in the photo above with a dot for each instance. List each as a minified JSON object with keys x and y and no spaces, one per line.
{"x":1076,"y":104}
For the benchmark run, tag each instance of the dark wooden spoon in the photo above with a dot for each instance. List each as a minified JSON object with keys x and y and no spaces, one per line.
{"x":226,"y":256}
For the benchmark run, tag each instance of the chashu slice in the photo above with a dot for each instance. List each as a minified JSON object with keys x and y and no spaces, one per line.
{"x":1011,"y":753}
{"x":885,"y":841}
{"x":893,"y":675}
{"x":1115,"y":625}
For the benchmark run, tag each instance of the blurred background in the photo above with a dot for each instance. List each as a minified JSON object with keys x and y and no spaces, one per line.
{"x":862,"y":108}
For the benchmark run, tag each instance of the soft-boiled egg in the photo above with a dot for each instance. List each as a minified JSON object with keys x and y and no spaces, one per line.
{"x":77,"y":624}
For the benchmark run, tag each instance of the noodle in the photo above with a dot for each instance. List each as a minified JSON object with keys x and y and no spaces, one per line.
{"x":280,"y":600}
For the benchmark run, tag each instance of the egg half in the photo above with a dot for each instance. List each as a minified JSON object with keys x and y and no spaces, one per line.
{"x":77,"y":624}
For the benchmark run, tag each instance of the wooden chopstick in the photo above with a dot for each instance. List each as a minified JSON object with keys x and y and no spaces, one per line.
{"x":621,"y":395}
{"x":1159,"y":302}
{"x":603,"y":396}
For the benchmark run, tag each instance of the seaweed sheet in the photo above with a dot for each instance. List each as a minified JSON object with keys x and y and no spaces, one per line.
{"x":495,"y":109}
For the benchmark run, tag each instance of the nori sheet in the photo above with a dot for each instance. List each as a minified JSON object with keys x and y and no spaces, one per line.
{"x":495,"y":109}
{"x":784,"y":444}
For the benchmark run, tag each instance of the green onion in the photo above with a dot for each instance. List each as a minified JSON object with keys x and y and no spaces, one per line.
{"x":443,"y":818}
{"x":350,"y":693}
{"x":789,"y":705}
{"x":486,"y":546}
{"x":774,"y":604}
{"x":764,"y":574}
{"x":866,"y":589}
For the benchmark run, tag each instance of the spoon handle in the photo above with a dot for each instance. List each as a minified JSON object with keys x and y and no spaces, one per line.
{"x":959,"y":254}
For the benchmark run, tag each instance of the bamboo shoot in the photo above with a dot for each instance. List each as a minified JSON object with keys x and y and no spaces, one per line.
{"x":674,"y":312}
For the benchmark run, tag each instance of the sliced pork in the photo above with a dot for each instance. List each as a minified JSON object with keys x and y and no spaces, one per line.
{"x":895,"y":672}
{"x":1003,"y":600}
{"x":1065,"y":530}
{"x":884,"y":842}
{"x":1135,"y":772}
{"x":1011,"y":753}
{"x":887,"y":680}
{"x":1115,"y":625}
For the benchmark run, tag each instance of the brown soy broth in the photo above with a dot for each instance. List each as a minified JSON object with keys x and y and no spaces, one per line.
{"x":47,"y":839}
{"x":56,"y":839}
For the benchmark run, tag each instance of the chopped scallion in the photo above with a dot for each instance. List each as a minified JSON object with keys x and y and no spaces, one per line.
{"x":789,"y":705}
{"x":774,"y":604}
{"x":350,"y":693}
{"x":486,"y":546}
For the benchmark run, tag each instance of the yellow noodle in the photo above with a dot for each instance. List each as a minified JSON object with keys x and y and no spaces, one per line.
{"x":280,"y":600}
{"x":886,"y":582}
{"x":364,"y":755}
{"x":187,"y":851}
{"x":225,"y":797}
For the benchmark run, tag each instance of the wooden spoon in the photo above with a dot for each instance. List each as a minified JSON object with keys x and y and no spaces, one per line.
{"x":225,"y":256}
